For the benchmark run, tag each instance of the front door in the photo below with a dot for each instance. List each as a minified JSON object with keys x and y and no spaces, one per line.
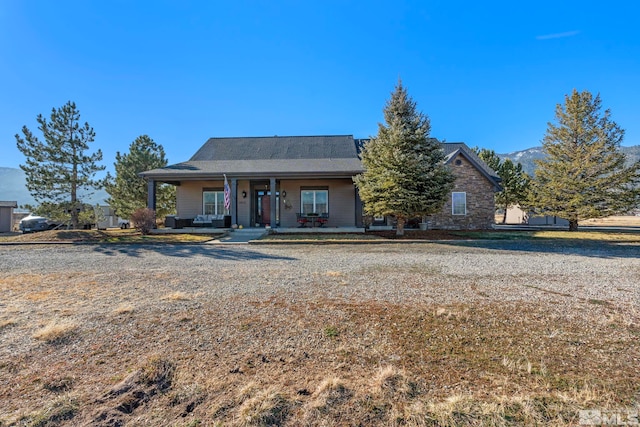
{"x":263,"y":208}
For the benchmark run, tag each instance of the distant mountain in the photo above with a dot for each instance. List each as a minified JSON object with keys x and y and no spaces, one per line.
{"x":529,"y":156}
{"x":13,"y":188}
{"x":526,"y":157}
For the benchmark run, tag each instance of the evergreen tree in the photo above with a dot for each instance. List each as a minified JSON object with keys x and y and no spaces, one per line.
{"x":489,"y":157}
{"x":127,"y":190}
{"x":515,"y":181}
{"x":584,"y":175}
{"x":405,"y":175}
{"x":515,"y":186}
{"x":57,"y":169}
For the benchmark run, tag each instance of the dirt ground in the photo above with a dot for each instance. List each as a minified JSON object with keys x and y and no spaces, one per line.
{"x":437,"y":334}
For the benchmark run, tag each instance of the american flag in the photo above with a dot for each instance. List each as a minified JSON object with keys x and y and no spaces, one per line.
{"x":227,"y":194}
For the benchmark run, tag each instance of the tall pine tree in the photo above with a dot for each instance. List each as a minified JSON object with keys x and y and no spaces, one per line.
{"x":584,"y":175}
{"x":405,"y":175}
{"x":127,"y":190}
{"x":58,"y":169}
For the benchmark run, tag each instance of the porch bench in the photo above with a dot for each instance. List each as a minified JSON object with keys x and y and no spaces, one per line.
{"x":213,"y":221}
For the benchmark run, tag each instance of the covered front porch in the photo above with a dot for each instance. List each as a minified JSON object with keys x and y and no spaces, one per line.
{"x":259,"y":202}
{"x":267,"y":181}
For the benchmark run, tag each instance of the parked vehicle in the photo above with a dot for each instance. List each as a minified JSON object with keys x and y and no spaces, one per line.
{"x":33,"y":223}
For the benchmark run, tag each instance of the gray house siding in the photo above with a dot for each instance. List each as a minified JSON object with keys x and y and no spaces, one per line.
{"x":244,"y":203}
{"x":189,"y":197}
{"x":341,"y":200}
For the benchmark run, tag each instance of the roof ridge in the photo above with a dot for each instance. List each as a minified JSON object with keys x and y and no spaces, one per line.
{"x":281,"y":136}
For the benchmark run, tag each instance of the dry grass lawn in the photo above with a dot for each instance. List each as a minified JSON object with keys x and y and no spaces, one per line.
{"x":611,"y":221}
{"x":80,"y":350}
{"x":328,"y":363}
{"x":615,"y":221}
{"x":104,"y":236}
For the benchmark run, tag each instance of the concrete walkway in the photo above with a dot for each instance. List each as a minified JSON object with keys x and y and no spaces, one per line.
{"x":245,"y":235}
{"x":238,"y":237}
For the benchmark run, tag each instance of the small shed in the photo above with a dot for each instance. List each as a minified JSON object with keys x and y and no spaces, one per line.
{"x":515,"y":215}
{"x":6,"y":215}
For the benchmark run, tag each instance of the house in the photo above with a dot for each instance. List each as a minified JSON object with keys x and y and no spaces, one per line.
{"x":274,"y":181}
{"x":6,"y":215}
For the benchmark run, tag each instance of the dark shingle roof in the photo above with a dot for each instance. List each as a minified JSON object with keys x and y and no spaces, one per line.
{"x":277,"y":155}
{"x":8,"y":204}
{"x":278,"y":147}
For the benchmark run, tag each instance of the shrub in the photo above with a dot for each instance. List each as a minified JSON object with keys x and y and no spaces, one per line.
{"x":144,"y":219}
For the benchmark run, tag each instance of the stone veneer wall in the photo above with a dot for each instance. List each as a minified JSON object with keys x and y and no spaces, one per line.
{"x":480,"y":200}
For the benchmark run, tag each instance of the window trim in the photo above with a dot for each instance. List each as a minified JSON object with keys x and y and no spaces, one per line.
{"x":454,"y":204}
{"x":215,"y":191}
{"x":314,"y":190}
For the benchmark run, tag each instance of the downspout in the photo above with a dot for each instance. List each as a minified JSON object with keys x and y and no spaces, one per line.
{"x":272,"y":201}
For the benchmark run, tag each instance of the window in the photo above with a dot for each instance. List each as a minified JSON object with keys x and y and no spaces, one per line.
{"x":315,"y":201}
{"x":213,"y":203}
{"x":459,"y":203}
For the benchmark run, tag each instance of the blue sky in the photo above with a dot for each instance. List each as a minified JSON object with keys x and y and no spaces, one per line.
{"x":486,"y":73}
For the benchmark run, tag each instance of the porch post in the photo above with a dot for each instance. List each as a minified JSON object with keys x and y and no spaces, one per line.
{"x":358,"y":208}
{"x":272,"y":200}
{"x":234,"y":201}
{"x":151,"y":194}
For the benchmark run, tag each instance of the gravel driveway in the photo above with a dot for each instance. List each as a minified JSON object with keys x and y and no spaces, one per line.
{"x":430,"y":272}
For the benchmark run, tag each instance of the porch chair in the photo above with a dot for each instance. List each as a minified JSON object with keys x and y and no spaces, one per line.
{"x":301,"y":220}
{"x":323,"y":219}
